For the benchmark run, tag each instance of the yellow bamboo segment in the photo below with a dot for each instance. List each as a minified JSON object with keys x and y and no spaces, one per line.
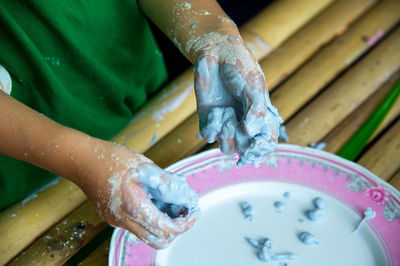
{"x":395,"y":180}
{"x":316,"y":120}
{"x":57,"y":245}
{"x":260,"y":32}
{"x":161,"y":114}
{"x":343,"y":132}
{"x":333,"y":58}
{"x":180,"y":143}
{"x":22,"y":223}
{"x":390,"y":117}
{"x":140,"y":132}
{"x":330,"y":22}
{"x":383,"y":157}
{"x":99,"y":257}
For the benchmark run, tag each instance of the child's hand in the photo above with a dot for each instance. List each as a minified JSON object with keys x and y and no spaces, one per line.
{"x":232,"y":99}
{"x":123,"y":196}
{"x":116,"y":179}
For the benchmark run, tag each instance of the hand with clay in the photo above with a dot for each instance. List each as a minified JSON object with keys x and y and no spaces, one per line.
{"x":122,"y":184}
{"x":126,"y":196}
{"x":232,"y":96}
{"x":232,"y":99}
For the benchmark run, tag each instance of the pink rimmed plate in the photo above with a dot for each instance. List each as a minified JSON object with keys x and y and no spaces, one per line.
{"x":218,"y":237}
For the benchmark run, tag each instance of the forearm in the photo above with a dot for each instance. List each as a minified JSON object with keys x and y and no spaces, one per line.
{"x":29,"y":136}
{"x":187,"y":23}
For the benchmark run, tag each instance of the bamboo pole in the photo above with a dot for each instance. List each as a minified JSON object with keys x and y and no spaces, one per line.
{"x":383,"y":158}
{"x":316,"y":120}
{"x":260,"y":32}
{"x":395,"y":180}
{"x":334,"y":58}
{"x":324,"y":27}
{"x":58,"y":244}
{"x":22,"y":223}
{"x":343,"y":132}
{"x":99,"y":257}
{"x":393,"y":114}
{"x":180,"y":143}
{"x":50,"y":204}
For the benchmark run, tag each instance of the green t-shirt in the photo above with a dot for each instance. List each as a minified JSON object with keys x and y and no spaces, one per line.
{"x":87,"y":64}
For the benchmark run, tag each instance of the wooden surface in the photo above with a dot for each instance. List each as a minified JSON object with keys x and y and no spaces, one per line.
{"x":22,"y":223}
{"x":383,"y":158}
{"x":261,"y":31}
{"x":328,"y":90}
{"x":99,"y":257}
{"x":58,"y":244}
{"x":347,"y":93}
{"x":395,"y":180}
{"x":326,"y":25}
{"x":51,"y":206}
{"x":325,"y":65}
{"x":338,"y":136}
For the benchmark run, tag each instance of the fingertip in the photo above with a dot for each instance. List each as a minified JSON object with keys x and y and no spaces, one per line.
{"x":158,"y":243}
{"x":187,"y":222}
{"x":209,"y":134}
{"x":254,"y":121}
{"x":226,"y":140}
{"x":143,"y":234}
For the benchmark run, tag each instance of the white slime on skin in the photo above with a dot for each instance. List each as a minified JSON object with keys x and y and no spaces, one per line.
{"x":247,"y":210}
{"x":170,"y":188}
{"x":369,"y":214}
{"x":308,"y":239}
{"x":265,"y":253}
{"x":162,"y":186}
{"x":224,"y":101}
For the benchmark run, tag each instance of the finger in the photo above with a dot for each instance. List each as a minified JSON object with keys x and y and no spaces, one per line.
{"x":257,"y":105}
{"x":271,"y":124}
{"x":251,"y":90}
{"x":226,"y":138}
{"x":145,"y":213}
{"x":207,"y":82}
{"x":156,"y":242}
{"x":259,"y":147}
{"x":165,"y":186}
{"x":212,"y":126}
{"x":254,"y":120}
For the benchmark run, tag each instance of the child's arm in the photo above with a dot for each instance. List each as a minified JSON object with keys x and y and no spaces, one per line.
{"x":115,"y":179}
{"x":232,"y":95}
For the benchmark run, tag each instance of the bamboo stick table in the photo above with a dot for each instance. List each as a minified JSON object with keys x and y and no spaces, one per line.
{"x":328,"y":65}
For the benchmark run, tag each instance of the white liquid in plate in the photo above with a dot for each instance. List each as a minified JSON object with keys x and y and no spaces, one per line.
{"x":218,"y":238}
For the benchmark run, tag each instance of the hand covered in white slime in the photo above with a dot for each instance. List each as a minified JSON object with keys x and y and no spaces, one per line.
{"x":139,"y":195}
{"x":232,"y":99}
